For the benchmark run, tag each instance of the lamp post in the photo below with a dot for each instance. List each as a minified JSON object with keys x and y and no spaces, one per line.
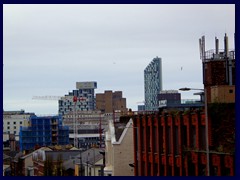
{"x":206,"y":123}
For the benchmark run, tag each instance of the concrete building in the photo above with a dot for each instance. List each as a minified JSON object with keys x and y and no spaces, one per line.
{"x":43,"y":131}
{"x":109,"y":102}
{"x":119,"y":148}
{"x":86,"y":128}
{"x":81,"y":99}
{"x":152,"y":84}
{"x":12,"y":121}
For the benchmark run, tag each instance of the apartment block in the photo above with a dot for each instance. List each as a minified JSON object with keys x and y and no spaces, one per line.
{"x":80,"y":99}
{"x":152,"y":84}
{"x":43,"y":131}
{"x":12,"y":121}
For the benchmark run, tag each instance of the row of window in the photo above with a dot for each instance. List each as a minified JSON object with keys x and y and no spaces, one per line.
{"x":8,"y":123}
{"x":13,"y":127}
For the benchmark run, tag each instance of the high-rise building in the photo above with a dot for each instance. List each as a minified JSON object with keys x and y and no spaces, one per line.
{"x":85,"y":99}
{"x":152,"y":84}
{"x":109,"y":101}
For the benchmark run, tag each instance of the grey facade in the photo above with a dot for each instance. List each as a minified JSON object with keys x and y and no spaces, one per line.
{"x":152,"y":84}
{"x":85,"y":99}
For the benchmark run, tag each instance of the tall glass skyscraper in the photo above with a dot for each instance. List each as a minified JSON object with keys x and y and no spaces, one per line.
{"x":152,"y":84}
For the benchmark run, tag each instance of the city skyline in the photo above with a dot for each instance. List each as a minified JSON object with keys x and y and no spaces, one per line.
{"x":48,"y":48}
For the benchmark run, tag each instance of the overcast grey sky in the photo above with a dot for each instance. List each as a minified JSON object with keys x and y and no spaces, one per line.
{"x":48,"y":48}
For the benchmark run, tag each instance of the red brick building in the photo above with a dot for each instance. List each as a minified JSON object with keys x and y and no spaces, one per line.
{"x":175,"y":145}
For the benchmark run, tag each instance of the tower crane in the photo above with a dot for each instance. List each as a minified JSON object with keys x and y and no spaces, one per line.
{"x":71,"y":98}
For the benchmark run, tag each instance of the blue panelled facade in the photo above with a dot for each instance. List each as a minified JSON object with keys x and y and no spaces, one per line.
{"x":43,"y":131}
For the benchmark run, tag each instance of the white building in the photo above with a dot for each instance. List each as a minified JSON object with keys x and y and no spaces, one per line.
{"x":12,"y":121}
{"x":119,"y":150}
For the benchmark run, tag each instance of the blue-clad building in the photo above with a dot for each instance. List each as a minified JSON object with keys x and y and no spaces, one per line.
{"x":43,"y":131}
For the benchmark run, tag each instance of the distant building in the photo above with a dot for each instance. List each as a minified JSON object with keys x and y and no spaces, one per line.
{"x":12,"y":121}
{"x":85,"y":98}
{"x":169,"y":98}
{"x":141,"y":107}
{"x":43,"y":131}
{"x":109,"y":101}
{"x":152,"y":84}
{"x":87,"y":127}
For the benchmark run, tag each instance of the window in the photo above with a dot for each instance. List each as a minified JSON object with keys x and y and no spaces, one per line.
{"x":8,"y":127}
{"x":20,"y":122}
{"x":230,"y":91}
{"x":15,"y":127}
{"x":8,"y":123}
{"x":14,"y":122}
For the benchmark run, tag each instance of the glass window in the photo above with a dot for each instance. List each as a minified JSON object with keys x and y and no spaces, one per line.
{"x":8,"y":123}
{"x":14,"y":122}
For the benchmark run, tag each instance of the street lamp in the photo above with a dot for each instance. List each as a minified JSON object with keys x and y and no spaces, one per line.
{"x":206,"y":122}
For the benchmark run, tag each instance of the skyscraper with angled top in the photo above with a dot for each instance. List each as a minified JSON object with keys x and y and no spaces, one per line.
{"x":152,"y":83}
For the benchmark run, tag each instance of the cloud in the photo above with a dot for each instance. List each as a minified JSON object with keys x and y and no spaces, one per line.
{"x":48,"y":48}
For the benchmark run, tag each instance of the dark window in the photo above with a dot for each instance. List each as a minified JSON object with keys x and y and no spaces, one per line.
{"x":230,"y":91}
